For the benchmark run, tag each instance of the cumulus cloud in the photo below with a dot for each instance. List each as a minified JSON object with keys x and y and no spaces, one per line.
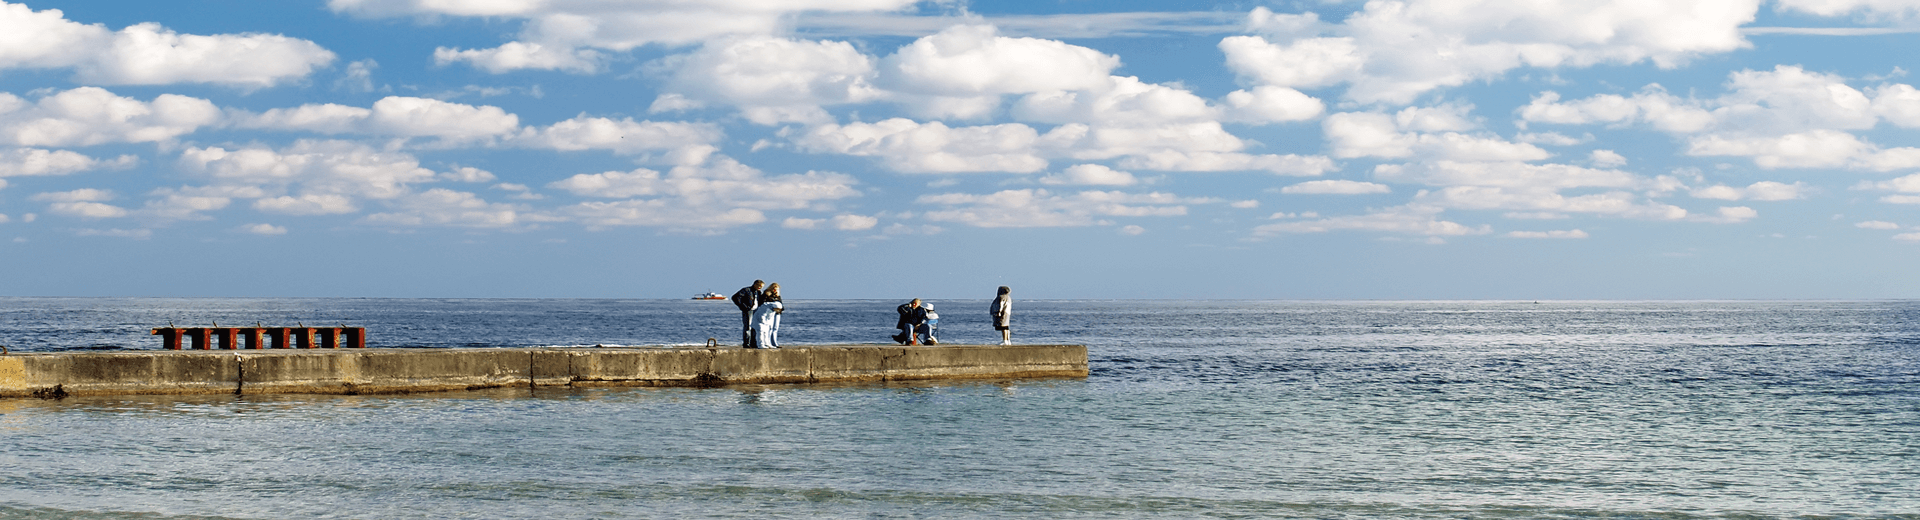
{"x":1540,"y":200}
{"x":1786,"y":117}
{"x":309,"y":177}
{"x":1041,"y":208}
{"x":573,"y":36}
{"x":1409,"y":219}
{"x":624,"y":136}
{"x":771,"y":80}
{"x":1763,"y":190}
{"x":440,"y":207}
{"x":1555,"y":234}
{"x":974,"y":60}
{"x":148,"y":54}
{"x":86,"y":203}
{"x":1421,"y":134}
{"x":264,"y":229}
{"x":1508,"y":174}
{"x":1393,"y":51}
{"x":90,"y":115}
{"x":391,"y":116}
{"x":1876,"y":224}
{"x":19,"y":162}
{"x":1335,"y":187}
{"x":1090,"y":175}
{"x":933,"y":147}
{"x":711,"y":195}
{"x":842,"y":222}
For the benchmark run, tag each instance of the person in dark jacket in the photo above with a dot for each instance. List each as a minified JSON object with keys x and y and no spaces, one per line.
{"x":747,"y":298}
{"x":911,"y":317}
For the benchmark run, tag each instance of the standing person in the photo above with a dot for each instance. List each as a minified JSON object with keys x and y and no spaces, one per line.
{"x":910,"y":319}
{"x":766,"y":323}
{"x":769,"y":331}
{"x":1002,"y":313}
{"x":746,"y":299}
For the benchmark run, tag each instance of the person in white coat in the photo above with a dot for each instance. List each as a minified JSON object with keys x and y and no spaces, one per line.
{"x":766,"y":325}
{"x":766,"y":319}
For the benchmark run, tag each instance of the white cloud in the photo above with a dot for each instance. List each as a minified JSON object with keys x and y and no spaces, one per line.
{"x":1132,"y":230}
{"x":712,"y":195}
{"x":1410,"y":219}
{"x":136,"y":234}
{"x":624,"y":136}
{"x":1245,"y":204}
{"x":1876,"y":224}
{"x":1090,"y":175}
{"x":440,"y":207}
{"x":91,"y":115}
{"x":1270,"y":104}
{"x":1336,"y":187}
{"x":19,"y":162}
{"x":1177,"y":161}
{"x":83,"y":203}
{"x":1652,"y":106}
{"x":570,"y":35}
{"x":308,"y":177}
{"x":1730,"y":215}
{"x":1507,"y":174}
{"x":1555,"y":234}
{"x":1763,"y":191}
{"x":148,"y":54}
{"x":1537,"y":200}
{"x":263,"y":229}
{"x":1041,"y":208}
{"x":1814,"y":149}
{"x":771,"y":80}
{"x":513,"y":56}
{"x":1872,"y":9}
{"x":1393,"y":51}
{"x":1606,"y":158}
{"x":391,"y":116}
{"x":1907,"y":237}
{"x":974,"y":60}
{"x":845,"y":222}
{"x":1417,"y":133}
{"x":932,"y":147}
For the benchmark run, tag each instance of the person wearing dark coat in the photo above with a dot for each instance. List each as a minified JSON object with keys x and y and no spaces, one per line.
{"x":748,"y":298}
{"x":911,"y":317}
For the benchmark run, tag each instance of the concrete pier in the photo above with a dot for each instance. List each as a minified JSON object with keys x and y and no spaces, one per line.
{"x":404,"y":370}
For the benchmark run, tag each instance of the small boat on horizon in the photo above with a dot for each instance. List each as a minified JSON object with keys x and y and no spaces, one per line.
{"x":710,"y":296}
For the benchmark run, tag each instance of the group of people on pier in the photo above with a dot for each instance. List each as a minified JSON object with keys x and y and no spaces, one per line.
{"x":760,"y":310}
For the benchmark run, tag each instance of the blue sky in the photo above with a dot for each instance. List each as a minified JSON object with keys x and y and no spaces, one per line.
{"x":1420,"y":149}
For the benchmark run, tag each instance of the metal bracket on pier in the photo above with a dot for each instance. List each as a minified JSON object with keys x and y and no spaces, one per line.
{"x":232,"y":338}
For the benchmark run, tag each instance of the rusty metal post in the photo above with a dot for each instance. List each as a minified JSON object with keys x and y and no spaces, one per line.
{"x":302,"y":337}
{"x":199,"y":338}
{"x":169,"y":337}
{"x":277,"y":337}
{"x":329,"y":337}
{"x":253,"y":336}
{"x":356,"y":337}
{"x":228,"y":337}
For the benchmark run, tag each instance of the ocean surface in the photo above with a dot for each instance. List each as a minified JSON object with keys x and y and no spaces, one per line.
{"x":1194,"y":409}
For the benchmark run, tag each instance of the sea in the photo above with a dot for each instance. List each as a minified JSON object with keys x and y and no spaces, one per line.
{"x":1193,"y":409}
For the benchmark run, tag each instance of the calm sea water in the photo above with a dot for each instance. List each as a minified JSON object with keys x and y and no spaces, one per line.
{"x":1245,"y":409}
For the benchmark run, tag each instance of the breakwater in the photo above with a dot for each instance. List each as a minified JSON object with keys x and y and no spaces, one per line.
{"x":404,"y":370}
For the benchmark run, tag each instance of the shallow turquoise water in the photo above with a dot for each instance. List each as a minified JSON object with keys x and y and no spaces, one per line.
{"x":1194,"y":409}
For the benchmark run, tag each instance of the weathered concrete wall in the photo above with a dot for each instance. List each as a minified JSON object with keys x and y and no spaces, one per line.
{"x":395,"y":370}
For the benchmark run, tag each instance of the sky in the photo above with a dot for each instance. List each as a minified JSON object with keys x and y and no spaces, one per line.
{"x":1321,"y":149}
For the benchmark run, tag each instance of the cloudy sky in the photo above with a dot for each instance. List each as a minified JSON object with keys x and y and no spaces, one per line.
{"x":1431,"y":149}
